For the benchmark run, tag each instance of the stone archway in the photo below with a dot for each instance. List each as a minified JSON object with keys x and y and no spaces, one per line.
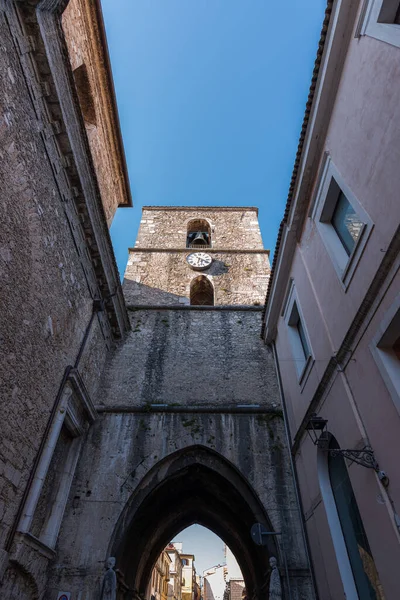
{"x":194,"y":485}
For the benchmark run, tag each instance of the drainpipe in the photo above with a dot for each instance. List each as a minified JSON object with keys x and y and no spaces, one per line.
{"x":97,"y":306}
{"x":294,"y":472}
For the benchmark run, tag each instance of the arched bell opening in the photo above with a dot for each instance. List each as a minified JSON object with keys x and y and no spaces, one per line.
{"x":201,"y":291}
{"x":195,"y":485}
{"x":198,"y":234}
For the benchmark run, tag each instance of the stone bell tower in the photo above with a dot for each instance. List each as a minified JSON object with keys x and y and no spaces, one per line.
{"x":198,"y":256}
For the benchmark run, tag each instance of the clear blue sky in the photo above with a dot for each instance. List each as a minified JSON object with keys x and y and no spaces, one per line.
{"x":211,"y":96}
{"x":208,"y":548}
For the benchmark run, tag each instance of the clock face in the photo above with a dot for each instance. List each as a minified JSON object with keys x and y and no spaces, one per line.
{"x":199,"y":260}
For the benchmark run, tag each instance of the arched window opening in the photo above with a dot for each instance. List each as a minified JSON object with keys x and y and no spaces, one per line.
{"x":198,"y":234}
{"x":85,"y":95}
{"x":201,"y":292}
{"x":343,"y":513}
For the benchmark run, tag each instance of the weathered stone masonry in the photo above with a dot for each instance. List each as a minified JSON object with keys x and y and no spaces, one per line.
{"x":188,"y":404}
{"x":123,"y":420}
{"x":61,"y":300}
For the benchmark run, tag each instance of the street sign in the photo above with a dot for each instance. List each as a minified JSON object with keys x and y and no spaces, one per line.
{"x":64,"y":596}
{"x":259,"y":534}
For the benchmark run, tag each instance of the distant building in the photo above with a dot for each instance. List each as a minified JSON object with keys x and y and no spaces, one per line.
{"x":196,"y":586}
{"x":175,"y":572}
{"x":224,"y":582}
{"x":159,"y":580}
{"x":187,"y":576}
{"x":235,"y":589}
{"x":214,"y":583}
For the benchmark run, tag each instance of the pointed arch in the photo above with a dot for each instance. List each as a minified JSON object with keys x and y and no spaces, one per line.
{"x":201,"y":291}
{"x":194,"y":485}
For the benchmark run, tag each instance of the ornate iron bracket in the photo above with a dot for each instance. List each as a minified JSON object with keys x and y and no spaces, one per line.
{"x":364,"y":457}
{"x":317,"y":430}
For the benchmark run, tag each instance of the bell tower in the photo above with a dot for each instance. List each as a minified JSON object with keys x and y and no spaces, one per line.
{"x":190,"y":427}
{"x":175,"y":243}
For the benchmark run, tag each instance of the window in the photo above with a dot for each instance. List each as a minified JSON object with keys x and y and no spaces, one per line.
{"x":201,"y":292}
{"x":390,"y":12}
{"x":346,"y":223}
{"x":198,"y":234}
{"x":361,"y":561}
{"x":302,"y":336}
{"x":48,"y":494}
{"x":343,"y":224}
{"x":381,"y":19}
{"x":298,"y":337}
{"x":85,"y":95}
{"x":385,"y":348}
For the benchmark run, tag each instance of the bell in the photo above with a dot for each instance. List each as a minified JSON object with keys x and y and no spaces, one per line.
{"x":200,"y":239}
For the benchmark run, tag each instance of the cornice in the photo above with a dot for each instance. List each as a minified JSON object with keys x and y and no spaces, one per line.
{"x":203,"y":208}
{"x":335,"y":37}
{"x":208,"y":250}
{"x":98,"y":49}
{"x":40,"y":44}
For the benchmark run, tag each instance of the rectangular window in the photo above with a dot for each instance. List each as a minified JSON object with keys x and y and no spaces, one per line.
{"x":346,"y":223}
{"x":343,"y":224}
{"x":385,"y":348}
{"x":48,"y":494}
{"x":303,"y":339}
{"x":380,"y":19}
{"x":390,"y":12}
{"x":298,"y":337}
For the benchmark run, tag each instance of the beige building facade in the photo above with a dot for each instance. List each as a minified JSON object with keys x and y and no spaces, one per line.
{"x":333,"y":308}
{"x":175,"y":571}
{"x":158,"y":588}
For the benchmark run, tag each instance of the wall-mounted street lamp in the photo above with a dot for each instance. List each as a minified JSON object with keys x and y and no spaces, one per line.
{"x":318,"y":432}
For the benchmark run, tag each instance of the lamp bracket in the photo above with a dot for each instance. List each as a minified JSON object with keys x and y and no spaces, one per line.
{"x":364,"y":457}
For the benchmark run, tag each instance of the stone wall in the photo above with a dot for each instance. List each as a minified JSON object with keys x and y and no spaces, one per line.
{"x":53,"y":228}
{"x":165,"y":277}
{"x":87,"y":47}
{"x":122,"y":449}
{"x":233,"y":228}
{"x":191,"y":357}
{"x":45,"y":302}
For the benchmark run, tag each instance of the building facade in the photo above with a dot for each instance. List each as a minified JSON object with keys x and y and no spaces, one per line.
{"x":333,"y":308}
{"x":61,"y":300}
{"x":188,"y":576}
{"x":158,"y":588}
{"x":224,"y":582}
{"x":123,"y":420}
{"x":189,"y":425}
{"x":175,"y":571}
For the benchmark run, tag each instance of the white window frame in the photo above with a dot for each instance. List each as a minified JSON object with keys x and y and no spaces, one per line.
{"x":330,"y":185}
{"x":381,"y":348}
{"x":370,"y":25}
{"x":74,"y":412}
{"x":303,"y":364}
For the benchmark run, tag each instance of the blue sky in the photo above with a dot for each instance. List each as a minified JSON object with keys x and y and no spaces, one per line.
{"x":208,"y":548}
{"x":211,"y":96}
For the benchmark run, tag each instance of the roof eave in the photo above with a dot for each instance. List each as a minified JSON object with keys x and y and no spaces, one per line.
{"x":336,"y":35}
